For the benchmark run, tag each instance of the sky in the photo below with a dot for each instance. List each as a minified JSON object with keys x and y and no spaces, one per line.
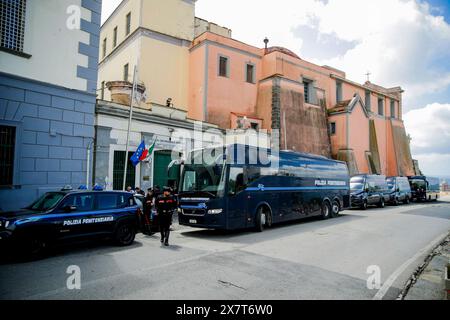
{"x":400,"y":42}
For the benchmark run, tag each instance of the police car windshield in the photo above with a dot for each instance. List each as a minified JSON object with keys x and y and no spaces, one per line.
{"x":46,"y":202}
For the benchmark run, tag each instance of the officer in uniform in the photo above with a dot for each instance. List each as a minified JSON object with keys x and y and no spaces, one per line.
{"x":166,"y":204}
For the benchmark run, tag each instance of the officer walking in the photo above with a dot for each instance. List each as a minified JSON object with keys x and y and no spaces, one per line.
{"x":165,"y":206}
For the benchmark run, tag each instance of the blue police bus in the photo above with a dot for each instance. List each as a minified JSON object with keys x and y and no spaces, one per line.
{"x":250,"y":187}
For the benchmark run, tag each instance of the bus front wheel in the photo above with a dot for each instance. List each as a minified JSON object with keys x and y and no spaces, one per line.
{"x":261,"y":219}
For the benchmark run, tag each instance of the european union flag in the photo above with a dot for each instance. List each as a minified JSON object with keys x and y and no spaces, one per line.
{"x":136,"y":158}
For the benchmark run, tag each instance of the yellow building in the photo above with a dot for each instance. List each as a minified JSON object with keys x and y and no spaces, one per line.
{"x":155,"y":36}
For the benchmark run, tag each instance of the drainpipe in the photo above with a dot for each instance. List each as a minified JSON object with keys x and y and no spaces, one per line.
{"x":88,"y":164}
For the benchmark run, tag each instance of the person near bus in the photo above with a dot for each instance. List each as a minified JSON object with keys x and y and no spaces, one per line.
{"x":138,"y":190}
{"x":166,"y":204}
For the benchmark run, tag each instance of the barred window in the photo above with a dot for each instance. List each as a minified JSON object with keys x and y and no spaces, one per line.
{"x":7,"y":149}
{"x":12,"y":24}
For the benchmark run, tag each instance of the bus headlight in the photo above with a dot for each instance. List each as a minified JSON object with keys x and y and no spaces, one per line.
{"x":215,"y":211}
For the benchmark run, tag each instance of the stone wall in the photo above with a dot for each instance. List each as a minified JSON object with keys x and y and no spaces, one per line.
{"x":54,"y":127}
{"x":306,"y":125}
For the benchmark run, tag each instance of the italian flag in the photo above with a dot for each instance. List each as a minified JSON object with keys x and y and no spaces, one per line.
{"x":147,"y":152}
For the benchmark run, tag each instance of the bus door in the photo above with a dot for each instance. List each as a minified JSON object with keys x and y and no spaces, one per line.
{"x":237,"y":199}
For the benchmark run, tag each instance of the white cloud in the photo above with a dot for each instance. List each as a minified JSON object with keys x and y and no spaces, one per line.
{"x":108,"y":7}
{"x":429,"y":128}
{"x":435,"y":164}
{"x":400,"y":41}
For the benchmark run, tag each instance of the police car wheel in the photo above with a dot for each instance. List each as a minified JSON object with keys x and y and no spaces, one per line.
{"x":32,"y":248}
{"x":381,"y":204}
{"x":125,"y":234}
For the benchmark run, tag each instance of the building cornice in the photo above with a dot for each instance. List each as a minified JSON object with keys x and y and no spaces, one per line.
{"x":144,"y":32}
{"x":364,"y":87}
{"x":112,"y":109}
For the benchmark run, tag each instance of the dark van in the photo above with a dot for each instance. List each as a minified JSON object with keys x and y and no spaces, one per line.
{"x":424,"y":188}
{"x":366,"y":190}
{"x":398,"y":190}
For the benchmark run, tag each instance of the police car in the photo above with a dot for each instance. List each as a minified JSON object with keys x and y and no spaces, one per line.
{"x":71,"y":215}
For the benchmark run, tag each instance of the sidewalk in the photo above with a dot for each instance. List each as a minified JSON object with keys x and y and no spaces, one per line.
{"x":427,"y":283}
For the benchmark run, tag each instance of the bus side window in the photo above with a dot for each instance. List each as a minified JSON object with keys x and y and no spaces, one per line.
{"x":236,"y":182}
{"x":252,"y":174}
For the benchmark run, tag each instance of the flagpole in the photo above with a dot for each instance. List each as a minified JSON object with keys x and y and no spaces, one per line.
{"x":129,"y":127}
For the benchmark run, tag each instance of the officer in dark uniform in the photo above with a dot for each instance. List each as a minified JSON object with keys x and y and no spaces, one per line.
{"x":166,"y":204}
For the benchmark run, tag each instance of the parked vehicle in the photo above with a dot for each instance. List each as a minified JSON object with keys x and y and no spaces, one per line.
{"x":71,"y":215}
{"x":366,"y":190}
{"x":399,"y":190}
{"x":231,"y":194}
{"x":424,"y":188}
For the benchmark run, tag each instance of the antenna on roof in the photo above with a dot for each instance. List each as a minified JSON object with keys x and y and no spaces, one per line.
{"x":368,"y":74}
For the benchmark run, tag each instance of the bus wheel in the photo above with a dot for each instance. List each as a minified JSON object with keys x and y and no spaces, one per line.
{"x":335,"y":209}
{"x":326,"y":210}
{"x":261,"y":218}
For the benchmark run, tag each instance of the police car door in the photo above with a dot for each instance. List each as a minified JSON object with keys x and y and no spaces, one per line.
{"x":109,"y":208}
{"x":72,"y":213}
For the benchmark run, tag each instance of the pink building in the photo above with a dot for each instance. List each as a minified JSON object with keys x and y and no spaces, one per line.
{"x":316,"y":108}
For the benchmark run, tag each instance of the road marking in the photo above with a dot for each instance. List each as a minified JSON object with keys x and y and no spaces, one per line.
{"x":393,"y":277}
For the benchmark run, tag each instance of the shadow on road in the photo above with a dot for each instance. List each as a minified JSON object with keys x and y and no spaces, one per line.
{"x":68,"y":250}
{"x":248,"y":236}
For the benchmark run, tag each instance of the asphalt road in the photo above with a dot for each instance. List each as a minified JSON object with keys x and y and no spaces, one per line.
{"x":311,"y":259}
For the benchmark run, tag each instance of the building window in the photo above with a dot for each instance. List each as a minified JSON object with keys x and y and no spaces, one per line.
{"x":223,"y":66}
{"x":392,"y":109}
{"x":307,"y":88}
{"x":12,"y":24}
{"x":126,"y":69}
{"x":115,"y":37}
{"x":381,"y":106}
{"x":103,"y":91}
{"x":104,"y":47}
{"x":250,"y":73}
{"x":128,"y":24}
{"x":7,"y":150}
{"x":332,"y":128}
{"x":368,"y":101}
{"x":338,"y":92}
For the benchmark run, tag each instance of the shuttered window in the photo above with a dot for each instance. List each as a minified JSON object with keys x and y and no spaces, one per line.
{"x":12,"y":24}
{"x":223,"y":66}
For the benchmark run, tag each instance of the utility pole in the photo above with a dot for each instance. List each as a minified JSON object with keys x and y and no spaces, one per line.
{"x":133,"y":92}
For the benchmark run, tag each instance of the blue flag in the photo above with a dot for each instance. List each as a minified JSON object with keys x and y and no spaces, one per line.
{"x":136,"y":158}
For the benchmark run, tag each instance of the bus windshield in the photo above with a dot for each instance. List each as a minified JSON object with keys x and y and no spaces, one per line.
{"x":417,"y":184}
{"x":200,"y":178}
